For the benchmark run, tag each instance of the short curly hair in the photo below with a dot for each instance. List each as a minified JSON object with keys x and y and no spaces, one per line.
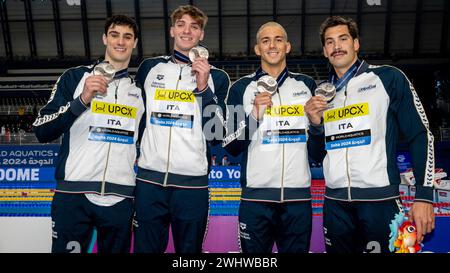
{"x":337,"y":21}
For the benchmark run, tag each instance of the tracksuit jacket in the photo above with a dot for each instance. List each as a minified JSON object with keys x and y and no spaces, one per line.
{"x":174,"y":148}
{"x":275,"y":166}
{"x":361,"y":134}
{"x":98,"y":148}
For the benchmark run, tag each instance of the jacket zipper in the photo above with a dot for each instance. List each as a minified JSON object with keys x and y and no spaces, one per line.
{"x":282,"y":161}
{"x":102,"y":192}
{"x":170,"y":138}
{"x":346,"y":158}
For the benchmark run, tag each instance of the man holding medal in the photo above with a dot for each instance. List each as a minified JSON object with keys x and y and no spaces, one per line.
{"x":373,"y":105}
{"x":183,"y":93}
{"x":266,"y":123}
{"x":97,"y":110}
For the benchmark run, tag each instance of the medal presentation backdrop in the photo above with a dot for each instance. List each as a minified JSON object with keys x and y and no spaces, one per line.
{"x":27,"y":187}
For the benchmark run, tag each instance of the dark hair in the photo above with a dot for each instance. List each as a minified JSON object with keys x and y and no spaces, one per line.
{"x":337,"y":21}
{"x":121,"y":20}
{"x":196,"y":14}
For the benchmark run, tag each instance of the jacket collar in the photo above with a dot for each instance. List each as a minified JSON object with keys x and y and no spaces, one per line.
{"x":353,"y":71}
{"x":121,"y":74}
{"x":180,"y":57}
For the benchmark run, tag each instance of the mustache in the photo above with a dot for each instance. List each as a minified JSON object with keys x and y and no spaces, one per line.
{"x":338,"y":52}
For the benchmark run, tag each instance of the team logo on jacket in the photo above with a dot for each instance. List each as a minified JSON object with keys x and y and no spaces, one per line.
{"x":347,"y":126}
{"x":299,"y":94}
{"x":285,"y":110}
{"x":173,"y":108}
{"x":112,"y":122}
{"x":135,"y":95}
{"x":113,"y":109}
{"x":351,"y":111}
{"x":367,"y":88}
{"x":157,"y":84}
{"x":284,"y":124}
{"x":174,"y":95}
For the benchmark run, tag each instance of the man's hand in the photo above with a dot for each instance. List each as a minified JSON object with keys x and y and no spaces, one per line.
{"x":201,"y":69}
{"x":261,"y":102}
{"x":422,"y":214}
{"x":314,"y":109}
{"x":92,"y":85}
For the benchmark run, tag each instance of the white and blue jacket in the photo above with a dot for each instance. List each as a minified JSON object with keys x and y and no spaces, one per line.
{"x":174,"y":149}
{"x":275,"y":165}
{"x":98,"y":150}
{"x":374,"y":105}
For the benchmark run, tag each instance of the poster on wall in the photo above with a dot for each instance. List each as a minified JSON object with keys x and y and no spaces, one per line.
{"x":27,"y":180}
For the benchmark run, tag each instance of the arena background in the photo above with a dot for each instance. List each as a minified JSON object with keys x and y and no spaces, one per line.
{"x":41,"y":38}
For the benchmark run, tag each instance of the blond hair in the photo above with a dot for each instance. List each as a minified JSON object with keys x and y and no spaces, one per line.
{"x":270,"y":24}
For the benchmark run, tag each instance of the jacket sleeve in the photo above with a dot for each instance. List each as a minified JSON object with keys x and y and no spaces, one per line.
{"x":316,"y":135}
{"x":61,"y":111}
{"x":240,"y":126}
{"x":316,"y":143}
{"x":213,"y":106}
{"x":413,"y":124}
{"x":143,"y":120}
{"x":141,"y":75}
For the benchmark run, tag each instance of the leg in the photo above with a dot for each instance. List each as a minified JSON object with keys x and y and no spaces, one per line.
{"x":71,"y":224}
{"x":189,"y":210}
{"x":294,"y":229}
{"x":256,"y":227}
{"x":339,"y":227}
{"x":374,"y":219}
{"x":114,"y":226}
{"x":151,"y":227}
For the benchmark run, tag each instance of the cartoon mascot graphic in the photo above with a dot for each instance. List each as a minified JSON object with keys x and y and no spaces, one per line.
{"x":403,"y":235}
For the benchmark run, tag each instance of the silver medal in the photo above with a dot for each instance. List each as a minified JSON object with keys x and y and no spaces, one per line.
{"x":267,"y":84}
{"x":326,"y":90}
{"x":106,"y":70}
{"x":198,"y":52}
